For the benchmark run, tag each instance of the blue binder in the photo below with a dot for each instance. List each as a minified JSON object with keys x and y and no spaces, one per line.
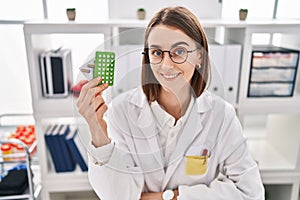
{"x":59,"y":148}
{"x":54,"y":152}
{"x":69,"y":164}
{"x":77,"y":149}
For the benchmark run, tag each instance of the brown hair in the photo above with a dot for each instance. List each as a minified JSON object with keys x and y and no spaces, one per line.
{"x":184,"y":20}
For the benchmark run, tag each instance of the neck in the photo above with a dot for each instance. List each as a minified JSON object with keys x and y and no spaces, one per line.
{"x":175,"y":104}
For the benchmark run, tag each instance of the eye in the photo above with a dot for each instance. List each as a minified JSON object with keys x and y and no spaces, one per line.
{"x":179,"y":51}
{"x":156,"y":52}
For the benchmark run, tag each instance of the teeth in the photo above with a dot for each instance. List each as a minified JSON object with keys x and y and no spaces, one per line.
{"x":170,"y":76}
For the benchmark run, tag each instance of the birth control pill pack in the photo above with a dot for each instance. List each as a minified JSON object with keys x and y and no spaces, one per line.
{"x":105,"y":66}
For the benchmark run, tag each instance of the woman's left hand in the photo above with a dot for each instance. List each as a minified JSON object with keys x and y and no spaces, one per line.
{"x":151,"y":196}
{"x":156,"y":195}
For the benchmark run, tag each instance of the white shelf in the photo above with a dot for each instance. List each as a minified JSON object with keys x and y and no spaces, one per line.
{"x":275,"y":144}
{"x":75,"y":195}
{"x":76,"y":182}
{"x":267,"y":105}
{"x":268,"y":157}
{"x":133,"y":23}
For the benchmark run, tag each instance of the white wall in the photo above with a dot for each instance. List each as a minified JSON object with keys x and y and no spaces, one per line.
{"x":203,"y":8}
{"x":14,"y":77}
{"x":257,"y":9}
{"x":20,"y":10}
{"x":85,"y":10}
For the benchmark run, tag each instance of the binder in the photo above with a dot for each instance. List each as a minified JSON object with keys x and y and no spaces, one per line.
{"x":231,"y":72}
{"x":69,"y":164}
{"x":58,"y":149}
{"x":225,"y":62}
{"x":77,"y":149}
{"x":50,"y":142}
{"x":217,"y":60}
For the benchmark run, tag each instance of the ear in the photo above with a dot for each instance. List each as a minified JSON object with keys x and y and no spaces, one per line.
{"x":200,"y":56}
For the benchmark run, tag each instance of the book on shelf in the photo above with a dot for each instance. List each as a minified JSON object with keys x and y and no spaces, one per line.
{"x":59,"y":149}
{"x":77,"y":149}
{"x":50,"y":142}
{"x":65,"y":154}
{"x":65,"y":148}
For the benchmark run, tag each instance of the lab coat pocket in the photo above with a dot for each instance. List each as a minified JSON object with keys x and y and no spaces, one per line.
{"x":195,"y":162}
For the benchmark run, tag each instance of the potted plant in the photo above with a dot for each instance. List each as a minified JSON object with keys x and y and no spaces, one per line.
{"x":141,"y":13}
{"x":243,"y":14}
{"x":71,"y":13}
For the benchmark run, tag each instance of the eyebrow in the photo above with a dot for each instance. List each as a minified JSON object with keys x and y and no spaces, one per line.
{"x":174,"y":45}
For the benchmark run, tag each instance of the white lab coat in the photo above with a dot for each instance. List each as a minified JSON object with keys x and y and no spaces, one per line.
{"x":134,"y":163}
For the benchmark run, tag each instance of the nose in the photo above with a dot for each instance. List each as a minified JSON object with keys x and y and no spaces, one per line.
{"x":166,"y":61}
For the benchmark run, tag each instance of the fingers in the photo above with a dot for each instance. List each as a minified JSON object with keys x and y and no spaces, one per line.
{"x":95,"y":110}
{"x":97,"y":107}
{"x":101,"y":88}
{"x":101,"y":110}
{"x":95,"y":92}
{"x":93,"y":83}
{"x":97,"y":102}
{"x":92,"y":89}
{"x":90,"y":102}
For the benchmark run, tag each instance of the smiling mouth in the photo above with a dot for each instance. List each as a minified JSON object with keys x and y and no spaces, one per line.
{"x":170,"y":76}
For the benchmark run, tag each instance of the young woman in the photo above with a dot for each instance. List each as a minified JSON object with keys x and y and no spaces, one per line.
{"x":170,"y":138}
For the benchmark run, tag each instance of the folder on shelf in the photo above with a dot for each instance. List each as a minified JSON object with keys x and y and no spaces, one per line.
{"x":77,"y":149}
{"x":59,"y":148}
{"x":225,"y":70}
{"x":65,"y":154}
{"x":231,"y":72}
{"x":50,"y":142}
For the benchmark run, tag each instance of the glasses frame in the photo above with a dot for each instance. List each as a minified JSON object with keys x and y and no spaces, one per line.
{"x":146,"y":52}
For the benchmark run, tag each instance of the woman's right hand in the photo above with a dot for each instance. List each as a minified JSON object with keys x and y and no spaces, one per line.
{"x":92,"y":107}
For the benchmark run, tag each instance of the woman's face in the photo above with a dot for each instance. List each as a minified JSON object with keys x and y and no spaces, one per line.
{"x":172,"y":75}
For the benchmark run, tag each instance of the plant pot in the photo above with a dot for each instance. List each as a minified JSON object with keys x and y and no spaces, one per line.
{"x":141,"y":14}
{"x":243,"y":14}
{"x":71,"y":14}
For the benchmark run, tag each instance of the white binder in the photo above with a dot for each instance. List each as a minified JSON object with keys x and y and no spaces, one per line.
{"x":225,"y":70}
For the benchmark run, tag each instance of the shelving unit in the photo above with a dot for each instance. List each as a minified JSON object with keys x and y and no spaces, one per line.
{"x":274,"y":144}
{"x":59,"y":110}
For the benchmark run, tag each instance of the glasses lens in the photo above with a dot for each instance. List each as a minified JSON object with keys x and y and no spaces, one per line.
{"x":178,"y":54}
{"x":155,"y":55}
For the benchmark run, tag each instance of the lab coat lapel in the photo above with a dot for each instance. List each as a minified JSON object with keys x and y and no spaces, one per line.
{"x":149,"y":133}
{"x":147,"y":146}
{"x":191,"y":129}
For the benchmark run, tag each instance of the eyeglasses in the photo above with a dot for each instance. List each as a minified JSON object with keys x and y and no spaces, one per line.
{"x":178,"y":55}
